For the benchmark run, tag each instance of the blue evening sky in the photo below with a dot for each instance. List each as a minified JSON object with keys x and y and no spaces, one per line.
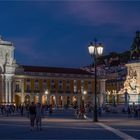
{"x":57,"y":33}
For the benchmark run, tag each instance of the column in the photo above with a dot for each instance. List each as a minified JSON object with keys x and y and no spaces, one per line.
{"x":56,"y":101}
{"x":22,"y":92}
{"x":13,"y":91}
{"x":40,"y":97}
{"x":2,"y":89}
{"x":102,"y":92}
{"x":48,"y":99}
{"x":79,"y":100}
{"x":6,"y":91}
{"x":9,"y":84}
{"x":62,"y":101}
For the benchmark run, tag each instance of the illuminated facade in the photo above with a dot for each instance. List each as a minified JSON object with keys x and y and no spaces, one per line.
{"x":56,"y":86}
{"x":123,"y":82}
{"x":49,"y":85}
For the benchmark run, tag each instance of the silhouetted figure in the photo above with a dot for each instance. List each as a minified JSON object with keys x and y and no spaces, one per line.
{"x":129,"y":111}
{"x":50,"y":110}
{"x":32,"y":113}
{"x":39,"y":116}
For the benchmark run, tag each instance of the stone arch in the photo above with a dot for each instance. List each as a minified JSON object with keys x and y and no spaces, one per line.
{"x":44,"y":100}
{"x":53,"y":100}
{"x":17,"y":100}
{"x":74,"y":100}
{"x":27,"y":100}
{"x":36,"y":99}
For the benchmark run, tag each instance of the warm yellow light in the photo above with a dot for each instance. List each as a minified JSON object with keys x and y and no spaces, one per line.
{"x":84,"y":92}
{"x":53,"y":97}
{"x":46,"y":92}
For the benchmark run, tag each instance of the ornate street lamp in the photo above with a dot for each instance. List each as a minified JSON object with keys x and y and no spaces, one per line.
{"x":95,"y":50}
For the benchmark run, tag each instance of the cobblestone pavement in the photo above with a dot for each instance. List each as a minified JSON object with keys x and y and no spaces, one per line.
{"x":62,"y":125}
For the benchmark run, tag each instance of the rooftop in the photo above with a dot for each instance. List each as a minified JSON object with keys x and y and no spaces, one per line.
{"x":54,"y":70}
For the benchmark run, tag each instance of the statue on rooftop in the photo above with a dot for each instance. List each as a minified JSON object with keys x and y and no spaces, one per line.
{"x":135,"y":48}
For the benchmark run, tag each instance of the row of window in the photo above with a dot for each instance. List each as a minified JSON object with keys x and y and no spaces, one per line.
{"x":53,"y":81}
{"x":52,"y":86}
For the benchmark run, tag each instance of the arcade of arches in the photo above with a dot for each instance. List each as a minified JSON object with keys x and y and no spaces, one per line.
{"x":55,"y":101}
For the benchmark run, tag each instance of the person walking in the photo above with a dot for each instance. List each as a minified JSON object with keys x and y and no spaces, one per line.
{"x":129,"y":111}
{"x":32,"y":114}
{"x":50,"y":109}
{"x":39,"y":116}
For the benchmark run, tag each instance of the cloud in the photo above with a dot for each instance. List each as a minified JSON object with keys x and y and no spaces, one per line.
{"x":122,"y":14}
{"x":26,"y":50}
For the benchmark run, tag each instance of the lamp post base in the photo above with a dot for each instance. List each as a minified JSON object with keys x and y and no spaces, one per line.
{"x":95,"y":119}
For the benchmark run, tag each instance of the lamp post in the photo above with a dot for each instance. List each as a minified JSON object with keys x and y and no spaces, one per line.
{"x":95,"y":50}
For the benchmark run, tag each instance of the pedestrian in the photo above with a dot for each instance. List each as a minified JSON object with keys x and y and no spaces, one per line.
{"x":7,"y":110}
{"x":82,"y":111}
{"x":32,"y":113}
{"x":50,"y":109}
{"x":21,"y":110}
{"x":77,"y":113}
{"x":100,"y":111}
{"x":39,"y":116}
{"x":129,"y":111}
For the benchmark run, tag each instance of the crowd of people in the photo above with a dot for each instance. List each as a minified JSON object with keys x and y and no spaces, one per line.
{"x":33,"y":111}
{"x":9,"y":110}
{"x":133,"y":111}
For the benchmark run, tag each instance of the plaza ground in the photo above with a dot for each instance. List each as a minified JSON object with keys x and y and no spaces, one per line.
{"x":62,"y":125}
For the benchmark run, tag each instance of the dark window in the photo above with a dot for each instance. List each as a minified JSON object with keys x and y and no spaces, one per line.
{"x":52,"y":81}
{"x":17,"y":88}
{"x":28,"y":80}
{"x":68,"y":81}
{"x":68,"y":88}
{"x":89,"y":82}
{"x":60,"y":87}
{"x":28,"y":88}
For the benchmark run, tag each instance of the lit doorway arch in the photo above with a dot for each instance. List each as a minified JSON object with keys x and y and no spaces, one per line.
{"x":53,"y":101}
{"x":27,"y":100}
{"x":17,"y":100}
{"x":74,"y":100}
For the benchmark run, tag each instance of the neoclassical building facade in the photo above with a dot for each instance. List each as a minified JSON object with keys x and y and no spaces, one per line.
{"x":49,"y":85}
